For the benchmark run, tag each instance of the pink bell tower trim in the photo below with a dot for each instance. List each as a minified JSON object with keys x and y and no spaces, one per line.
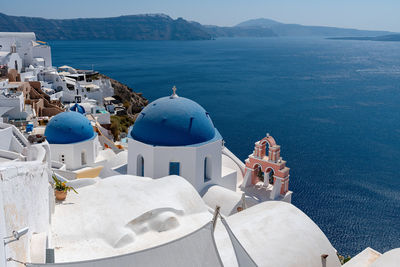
{"x":268,"y":166}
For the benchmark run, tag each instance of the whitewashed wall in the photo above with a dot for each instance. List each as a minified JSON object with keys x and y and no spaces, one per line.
{"x":28,"y":76}
{"x":44,"y":52}
{"x":11,"y":62}
{"x":3,"y":233}
{"x":137,"y":148}
{"x":5,"y":137}
{"x":23,"y":42}
{"x":17,"y":103}
{"x":25,"y":195}
{"x":191,"y":158}
{"x":105,"y":87}
{"x":72,"y":153}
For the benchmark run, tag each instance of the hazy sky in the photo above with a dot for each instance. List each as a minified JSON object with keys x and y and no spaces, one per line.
{"x":362,"y":14}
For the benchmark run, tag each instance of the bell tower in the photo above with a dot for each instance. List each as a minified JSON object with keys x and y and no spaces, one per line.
{"x":266,"y":168}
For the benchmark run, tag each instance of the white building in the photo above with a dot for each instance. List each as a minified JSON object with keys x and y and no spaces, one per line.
{"x":76,"y":87}
{"x":30,"y":51}
{"x":72,"y":140}
{"x":175,"y":136}
{"x":25,"y":193}
{"x":81,"y":148}
{"x":32,"y":59}
{"x":164,"y":222}
{"x":15,"y":103}
{"x":11,"y":59}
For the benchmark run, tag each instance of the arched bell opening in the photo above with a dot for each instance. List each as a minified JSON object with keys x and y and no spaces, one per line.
{"x":258,"y":173}
{"x":269,"y":174}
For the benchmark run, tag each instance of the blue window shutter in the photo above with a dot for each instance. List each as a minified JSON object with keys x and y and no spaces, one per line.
{"x":174,"y":168}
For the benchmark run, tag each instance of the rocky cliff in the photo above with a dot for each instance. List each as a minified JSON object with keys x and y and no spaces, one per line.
{"x":136,"y":100}
{"x":133,"y":27}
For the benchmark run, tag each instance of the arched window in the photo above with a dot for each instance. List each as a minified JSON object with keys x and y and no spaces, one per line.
{"x":207,"y":169}
{"x":140,"y":166}
{"x":83,"y":158}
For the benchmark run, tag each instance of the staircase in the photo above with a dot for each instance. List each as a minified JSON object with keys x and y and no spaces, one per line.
{"x":103,"y":139}
{"x":19,"y":139}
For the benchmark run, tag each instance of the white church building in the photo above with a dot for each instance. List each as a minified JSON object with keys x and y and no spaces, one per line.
{"x":72,"y":140}
{"x":24,"y":50}
{"x":175,"y":136}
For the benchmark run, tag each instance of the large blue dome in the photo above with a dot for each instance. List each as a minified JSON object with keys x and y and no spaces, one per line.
{"x":68,"y":127}
{"x":173,"y":121}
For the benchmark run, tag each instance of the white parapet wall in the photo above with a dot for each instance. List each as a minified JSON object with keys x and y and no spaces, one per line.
{"x":25,"y":192}
{"x":2,"y":231}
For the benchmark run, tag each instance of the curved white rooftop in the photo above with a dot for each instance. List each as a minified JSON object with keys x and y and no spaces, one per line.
{"x":276,"y":233}
{"x":363,"y":259}
{"x":123,"y":214}
{"x":226,"y":199}
{"x":388,"y":259}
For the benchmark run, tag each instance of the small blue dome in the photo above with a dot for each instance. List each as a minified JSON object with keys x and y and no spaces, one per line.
{"x":78,"y":108}
{"x":173,"y":121}
{"x":68,"y":128}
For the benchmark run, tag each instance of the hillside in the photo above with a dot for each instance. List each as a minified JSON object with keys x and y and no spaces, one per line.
{"x":134,"y":27}
{"x":282,"y":29}
{"x":163,"y":27}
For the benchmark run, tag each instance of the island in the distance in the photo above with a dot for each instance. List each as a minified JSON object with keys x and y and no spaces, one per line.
{"x":383,"y":38}
{"x":163,"y":27}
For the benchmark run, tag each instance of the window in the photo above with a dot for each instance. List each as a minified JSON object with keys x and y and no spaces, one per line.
{"x":83,"y":158}
{"x":174,"y":168}
{"x":140,"y":166}
{"x":207,"y":169}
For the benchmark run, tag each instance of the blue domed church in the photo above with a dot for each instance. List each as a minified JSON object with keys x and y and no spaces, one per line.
{"x":72,"y":140}
{"x":175,"y":136}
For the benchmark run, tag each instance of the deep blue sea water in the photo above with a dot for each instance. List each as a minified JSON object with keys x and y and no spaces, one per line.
{"x":333,"y":106}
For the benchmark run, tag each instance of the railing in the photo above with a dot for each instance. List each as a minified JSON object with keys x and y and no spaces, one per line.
{"x":235,"y":159}
{"x":19,"y":140}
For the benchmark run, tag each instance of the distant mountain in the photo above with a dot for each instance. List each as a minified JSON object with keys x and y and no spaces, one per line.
{"x":135,"y":27}
{"x":216,"y":31}
{"x":282,"y":29}
{"x":163,"y":27}
{"x":260,"y":23}
{"x":384,"y":38}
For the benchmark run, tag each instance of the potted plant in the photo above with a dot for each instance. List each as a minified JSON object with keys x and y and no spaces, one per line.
{"x":61,"y":189}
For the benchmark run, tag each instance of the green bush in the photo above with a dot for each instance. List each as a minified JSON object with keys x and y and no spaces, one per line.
{"x":120,"y":124}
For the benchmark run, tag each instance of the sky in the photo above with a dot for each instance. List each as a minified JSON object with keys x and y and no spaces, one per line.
{"x":360,"y":14}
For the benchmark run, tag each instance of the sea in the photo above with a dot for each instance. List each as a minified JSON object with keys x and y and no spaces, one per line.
{"x":332,"y":105}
